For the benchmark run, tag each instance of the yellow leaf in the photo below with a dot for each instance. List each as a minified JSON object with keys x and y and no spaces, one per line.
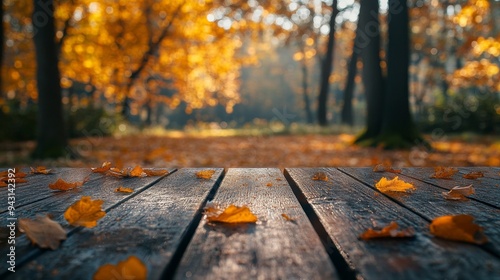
{"x":103,"y":169}
{"x":232,"y":214}
{"x":390,"y":230}
{"x":43,"y":231}
{"x":62,"y":185}
{"x":84,"y":212}
{"x":320,"y":176}
{"x":458,"y":228}
{"x":394,"y":185}
{"x":459,"y":193}
{"x":40,"y":170}
{"x":474,"y":175}
{"x":205,"y":174}
{"x":443,"y":172}
{"x":131,"y":268}
{"x":124,"y":190}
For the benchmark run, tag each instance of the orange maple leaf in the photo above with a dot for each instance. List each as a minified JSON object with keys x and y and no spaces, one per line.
{"x":205,"y":174}
{"x":232,"y":214}
{"x":124,"y":190}
{"x":131,"y":268}
{"x":43,"y":231}
{"x":458,"y":228}
{"x":441,"y":172}
{"x":40,"y":170}
{"x":62,"y":185}
{"x":394,"y":185}
{"x":390,"y":230}
{"x":473,"y":175}
{"x":320,"y":176}
{"x":84,"y":212}
{"x":459,"y":193}
{"x":103,"y":169}
{"x":385,"y":167}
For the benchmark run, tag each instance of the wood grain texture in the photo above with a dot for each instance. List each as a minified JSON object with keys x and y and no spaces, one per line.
{"x":487,"y":189}
{"x":57,"y":203}
{"x":150,"y":226}
{"x":346,"y":208}
{"x":274,"y":248}
{"x":427,"y":201}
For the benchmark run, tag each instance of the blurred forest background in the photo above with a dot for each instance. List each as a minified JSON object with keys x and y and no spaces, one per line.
{"x":250,"y":83}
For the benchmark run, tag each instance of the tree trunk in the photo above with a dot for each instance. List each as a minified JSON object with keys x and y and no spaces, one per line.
{"x":326,"y":69}
{"x":305,"y":89}
{"x":347,"y":112}
{"x":368,"y":46}
{"x":51,"y":137}
{"x":1,"y":45}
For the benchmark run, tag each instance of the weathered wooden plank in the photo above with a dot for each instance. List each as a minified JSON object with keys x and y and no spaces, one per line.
{"x":427,"y":201}
{"x":346,"y":208}
{"x":487,"y":190}
{"x":489,"y":172}
{"x":37,"y":187}
{"x":57,"y":203}
{"x":271,"y":249}
{"x":151,"y":226}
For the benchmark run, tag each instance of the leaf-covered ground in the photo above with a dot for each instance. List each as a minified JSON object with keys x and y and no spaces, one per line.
{"x":257,"y":151}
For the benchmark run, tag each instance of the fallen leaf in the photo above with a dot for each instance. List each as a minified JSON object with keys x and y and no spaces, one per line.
{"x":286,"y":217}
{"x":103,"y":169}
{"x":62,"y":185}
{"x":137,"y":171}
{"x":124,"y":190}
{"x":19,"y":174}
{"x":394,"y":185}
{"x":444,"y":172}
{"x":381,"y":167}
{"x":131,"y":268}
{"x":205,"y":174}
{"x":84,"y":212}
{"x":17,"y":180}
{"x":320,"y":176}
{"x":390,"y":230}
{"x":459,"y":193}
{"x":43,"y":231}
{"x":458,"y":228}
{"x":269,"y":184}
{"x":3,"y":184}
{"x":153,"y":172}
{"x":232,"y":214}
{"x":473,"y":175}
{"x":40,"y":170}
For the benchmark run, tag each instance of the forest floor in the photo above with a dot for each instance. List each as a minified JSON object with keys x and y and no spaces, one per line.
{"x":181,"y":150}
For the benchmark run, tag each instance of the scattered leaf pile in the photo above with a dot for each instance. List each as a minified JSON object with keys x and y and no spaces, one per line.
{"x":43,"y":231}
{"x":62,"y":185}
{"x":441,"y":172}
{"x":205,"y":174}
{"x":459,"y":193}
{"x":84,"y":212}
{"x":390,"y":231}
{"x":137,"y":171}
{"x":394,"y":185}
{"x":385,"y":167}
{"x":320,"y":176}
{"x":40,"y":170}
{"x":458,"y":228}
{"x":473,"y":175}
{"x":19,"y":177}
{"x":122,"y":189}
{"x":131,"y":268}
{"x":232,"y":214}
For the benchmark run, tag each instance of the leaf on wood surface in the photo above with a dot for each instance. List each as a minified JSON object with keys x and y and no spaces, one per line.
{"x":137,"y":171}
{"x":84,"y":212}
{"x":286,"y":217}
{"x":205,"y":174}
{"x":232,"y":214}
{"x":124,"y":190}
{"x":131,"y":268}
{"x":390,"y":231}
{"x":269,"y":184}
{"x":43,"y":231}
{"x":153,"y":172}
{"x":473,"y":175}
{"x":62,"y":185}
{"x":459,"y":193}
{"x":382,"y":167}
{"x":458,"y":228}
{"x":320,"y":176}
{"x":441,"y":172}
{"x":394,"y":185}
{"x":105,"y":167}
{"x":16,"y":180}
{"x":18,"y":173}
{"x":40,"y":170}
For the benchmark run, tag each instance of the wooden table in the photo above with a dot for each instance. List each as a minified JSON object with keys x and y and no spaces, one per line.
{"x":162,"y":223}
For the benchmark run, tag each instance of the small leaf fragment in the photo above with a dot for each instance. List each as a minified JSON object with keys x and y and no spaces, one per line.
{"x":131,"y":268}
{"x":320,"y":176}
{"x":62,"y":185}
{"x":153,"y":172}
{"x":394,"y":185}
{"x":124,"y":190}
{"x":389,"y":231}
{"x":232,"y":214}
{"x":85,"y":212}
{"x":205,"y":174}
{"x":269,"y":184}
{"x":441,"y":172}
{"x":103,"y":169}
{"x":458,"y":228}
{"x":286,"y":217}
{"x":459,"y":193}
{"x":43,"y":231}
{"x":40,"y":170}
{"x":473,"y":175}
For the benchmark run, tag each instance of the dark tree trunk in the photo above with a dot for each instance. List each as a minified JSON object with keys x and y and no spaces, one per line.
{"x":51,"y":137}
{"x":326,"y":69}
{"x":347,"y":112}
{"x":368,"y":45}
{"x":1,"y":44}
{"x":305,"y":91}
